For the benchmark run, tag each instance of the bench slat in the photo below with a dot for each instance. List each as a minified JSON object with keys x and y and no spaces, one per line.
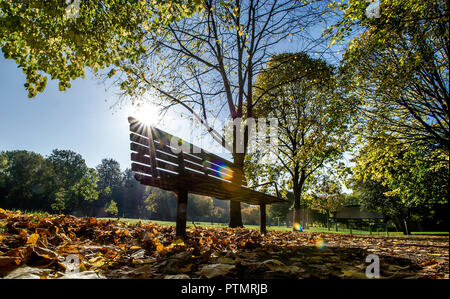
{"x":139,"y":139}
{"x":199,"y":153}
{"x":195,"y":162}
{"x":141,"y":168}
{"x":142,"y":157}
{"x":139,"y":148}
{"x":136,"y":157}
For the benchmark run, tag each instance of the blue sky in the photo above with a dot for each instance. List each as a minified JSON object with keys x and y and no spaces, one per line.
{"x":78,"y":119}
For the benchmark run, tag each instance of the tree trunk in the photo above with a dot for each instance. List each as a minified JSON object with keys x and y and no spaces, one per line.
{"x":298,"y":181}
{"x":405,"y":225}
{"x":328,"y":220}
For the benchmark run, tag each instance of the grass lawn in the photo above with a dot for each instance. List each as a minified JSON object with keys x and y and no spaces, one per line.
{"x":341,"y":230}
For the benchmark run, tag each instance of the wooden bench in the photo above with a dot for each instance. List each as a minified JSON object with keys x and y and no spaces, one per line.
{"x":162,"y":160}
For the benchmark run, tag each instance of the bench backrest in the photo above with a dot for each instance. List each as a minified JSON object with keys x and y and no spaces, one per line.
{"x":159,"y":155}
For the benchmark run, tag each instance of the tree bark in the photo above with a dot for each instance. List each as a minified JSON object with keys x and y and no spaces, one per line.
{"x":298,"y":180}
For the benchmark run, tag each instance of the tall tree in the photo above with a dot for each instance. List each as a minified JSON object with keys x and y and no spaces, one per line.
{"x":313,"y":118}
{"x":110,"y":182}
{"x":82,"y":197}
{"x":207,"y":63}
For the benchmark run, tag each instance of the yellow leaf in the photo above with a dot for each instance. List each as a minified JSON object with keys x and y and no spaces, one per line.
{"x":177,"y":242}
{"x":397,"y":268}
{"x":97,"y":262}
{"x":358,"y":275}
{"x":159,"y":247}
{"x":186,"y":268}
{"x":82,"y":267}
{"x":32,"y":239}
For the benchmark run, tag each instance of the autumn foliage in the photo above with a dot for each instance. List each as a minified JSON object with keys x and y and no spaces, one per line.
{"x":43,"y":244}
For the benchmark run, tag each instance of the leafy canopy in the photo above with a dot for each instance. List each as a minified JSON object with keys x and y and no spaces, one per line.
{"x":46,"y":41}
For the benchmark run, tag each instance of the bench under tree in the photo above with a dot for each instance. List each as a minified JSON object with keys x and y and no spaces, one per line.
{"x":165,"y":161}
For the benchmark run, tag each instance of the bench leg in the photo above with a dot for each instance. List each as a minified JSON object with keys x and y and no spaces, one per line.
{"x":181,"y":213}
{"x":262,"y":216}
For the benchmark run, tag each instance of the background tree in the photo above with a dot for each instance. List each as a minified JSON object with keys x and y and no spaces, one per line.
{"x":26,"y":180}
{"x":110,"y":182}
{"x":207,"y":63}
{"x":277,"y":213}
{"x":111,"y":208}
{"x":133,"y":195}
{"x":313,"y":118}
{"x":250,"y":215}
{"x":199,"y":207}
{"x":326,"y":196}
{"x":161,"y":204}
{"x":85,"y":194}
{"x":397,"y":64}
{"x":68,"y":166}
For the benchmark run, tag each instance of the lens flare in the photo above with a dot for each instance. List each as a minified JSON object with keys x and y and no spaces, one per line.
{"x":298,"y":227}
{"x":320,"y":243}
{"x":221,"y":170}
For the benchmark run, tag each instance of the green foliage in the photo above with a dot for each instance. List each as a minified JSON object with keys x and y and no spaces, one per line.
{"x":111,"y":208}
{"x":26,"y":180}
{"x":68,"y":166}
{"x":326,"y":196}
{"x":398,"y":67}
{"x":412,"y":174}
{"x":402,"y":181}
{"x":313,"y":119}
{"x":44,"y":40}
{"x":86,"y":191}
{"x":200,"y":207}
{"x":250,"y":215}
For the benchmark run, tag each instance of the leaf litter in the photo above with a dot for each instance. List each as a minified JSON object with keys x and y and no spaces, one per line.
{"x":64,"y":246}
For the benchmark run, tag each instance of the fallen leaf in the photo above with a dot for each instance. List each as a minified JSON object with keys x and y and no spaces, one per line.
{"x":215,"y":270}
{"x":354,"y":274}
{"x":186,"y":268}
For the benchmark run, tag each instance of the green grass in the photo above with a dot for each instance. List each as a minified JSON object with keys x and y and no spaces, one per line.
{"x":341,"y":230}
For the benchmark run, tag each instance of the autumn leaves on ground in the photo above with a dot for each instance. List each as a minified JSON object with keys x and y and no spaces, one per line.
{"x":48,"y":246}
